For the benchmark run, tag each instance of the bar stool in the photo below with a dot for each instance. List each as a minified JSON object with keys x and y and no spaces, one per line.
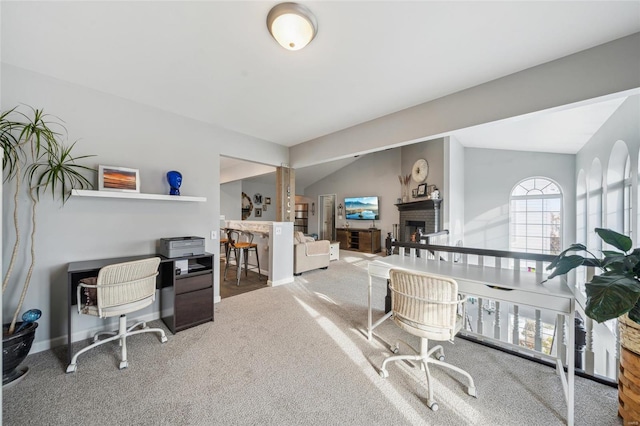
{"x":224,"y":241}
{"x":240,"y":242}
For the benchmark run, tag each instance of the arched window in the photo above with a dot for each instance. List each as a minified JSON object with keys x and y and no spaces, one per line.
{"x":536,"y":216}
{"x":594,"y":208}
{"x":581,"y":222}
{"x":618,"y":189}
{"x":628,"y":200}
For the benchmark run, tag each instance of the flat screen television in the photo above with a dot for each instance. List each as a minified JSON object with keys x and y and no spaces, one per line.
{"x":361,"y":208}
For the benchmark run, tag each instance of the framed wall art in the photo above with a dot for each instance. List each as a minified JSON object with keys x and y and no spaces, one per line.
{"x":422,"y":190}
{"x":267,"y":200}
{"x":113,"y":178}
{"x":258,"y":212}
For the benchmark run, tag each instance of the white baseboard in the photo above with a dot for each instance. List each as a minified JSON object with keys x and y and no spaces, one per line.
{"x":280,"y":282}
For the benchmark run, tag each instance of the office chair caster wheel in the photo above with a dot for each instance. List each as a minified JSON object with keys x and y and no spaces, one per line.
{"x":72,"y":368}
{"x":395,"y":348}
{"x":384,"y":374}
{"x":433,"y":406}
{"x":163,"y":339}
{"x":473,"y":392}
{"x":123,"y":365}
{"x":441,"y":357}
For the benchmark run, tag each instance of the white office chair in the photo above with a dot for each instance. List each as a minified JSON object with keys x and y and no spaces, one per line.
{"x":427,"y":307}
{"x":117,"y":290}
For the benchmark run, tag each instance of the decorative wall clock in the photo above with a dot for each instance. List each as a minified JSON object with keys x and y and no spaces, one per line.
{"x":420,"y":170}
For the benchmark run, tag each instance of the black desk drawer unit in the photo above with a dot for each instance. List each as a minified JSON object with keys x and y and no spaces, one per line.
{"x":189,"y":301}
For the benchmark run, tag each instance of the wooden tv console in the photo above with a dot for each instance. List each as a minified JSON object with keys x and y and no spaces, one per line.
{"x":364,"y":240}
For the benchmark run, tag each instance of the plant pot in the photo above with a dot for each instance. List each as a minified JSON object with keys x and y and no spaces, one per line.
{"x":15,"y":349}
{"x":629,"y":375}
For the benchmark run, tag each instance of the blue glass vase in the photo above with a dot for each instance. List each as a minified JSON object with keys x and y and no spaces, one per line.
{"x":175,"y":180}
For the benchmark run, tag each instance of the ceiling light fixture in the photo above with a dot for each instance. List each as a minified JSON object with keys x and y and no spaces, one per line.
{"x":292,"y":25}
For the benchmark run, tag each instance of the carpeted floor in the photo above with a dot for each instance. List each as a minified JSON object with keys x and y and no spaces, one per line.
{"x":294,"y":355}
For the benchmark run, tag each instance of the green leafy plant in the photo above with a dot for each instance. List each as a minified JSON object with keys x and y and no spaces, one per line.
{"x":616,"y":291}
{"x":35,"y":156}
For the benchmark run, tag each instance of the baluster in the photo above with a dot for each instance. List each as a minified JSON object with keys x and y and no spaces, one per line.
{"x":538,"y":332}
{"x":516,"y":266}
{"x":516,"y":326}
{"x":423,"y":253}
{"x":561,"y":339}
{"x":497,"y":333}
{"x":480,"y":317}
{"x":589,"y":355}
{"x":412,"y":252}
{"x":498,"y":263}
{"x":436,"y":255}
{"x":401,"y":251}
{"x":480,"y":260}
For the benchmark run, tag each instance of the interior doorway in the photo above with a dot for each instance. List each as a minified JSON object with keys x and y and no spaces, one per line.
{"x":327,"y":217}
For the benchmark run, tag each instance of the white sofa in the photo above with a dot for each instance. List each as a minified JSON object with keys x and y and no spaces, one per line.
{"x":309,"y":254}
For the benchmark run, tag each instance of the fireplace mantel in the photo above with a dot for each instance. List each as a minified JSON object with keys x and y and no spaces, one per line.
{"x":420,"y":205}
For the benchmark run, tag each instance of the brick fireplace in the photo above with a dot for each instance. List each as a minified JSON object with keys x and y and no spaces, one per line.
{"x":424,"y":215}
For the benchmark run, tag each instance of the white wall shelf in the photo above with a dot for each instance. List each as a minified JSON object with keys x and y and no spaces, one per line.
{"x":134,"y":195}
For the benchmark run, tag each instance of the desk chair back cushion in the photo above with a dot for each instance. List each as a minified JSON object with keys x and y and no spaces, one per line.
{"x":124,"y":287}
{"x":424,"y":305}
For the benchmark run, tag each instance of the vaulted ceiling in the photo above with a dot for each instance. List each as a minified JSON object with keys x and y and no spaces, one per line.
{"x":215,"y":61}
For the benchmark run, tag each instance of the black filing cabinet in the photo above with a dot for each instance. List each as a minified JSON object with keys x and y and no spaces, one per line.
{"x":188,"y":301}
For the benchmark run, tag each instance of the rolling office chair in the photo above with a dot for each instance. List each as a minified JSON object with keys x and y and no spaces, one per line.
{"x":240,"y":243}
{"x":426,"y":306}
{"x":117,"y":290}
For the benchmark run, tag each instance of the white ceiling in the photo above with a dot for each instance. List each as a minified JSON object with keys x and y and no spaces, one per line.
{"x":215,"y":61}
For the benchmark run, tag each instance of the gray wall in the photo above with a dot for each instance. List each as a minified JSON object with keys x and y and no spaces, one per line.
{"x":267,"y":190}
{"x":602,"y":70}
{"x":120,"y":133}
{"x":231,"y":200}
{"x":371,"y":175}
{"x":491,"y":174}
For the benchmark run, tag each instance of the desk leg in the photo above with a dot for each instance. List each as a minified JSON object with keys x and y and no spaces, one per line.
{"x":239,"y":261}
{"x":571,"y":367}
{"x":69,"y":309}
{"x":369,"y":316}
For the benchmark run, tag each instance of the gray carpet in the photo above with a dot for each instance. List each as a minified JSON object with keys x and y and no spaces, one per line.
{"x":293,"y":355}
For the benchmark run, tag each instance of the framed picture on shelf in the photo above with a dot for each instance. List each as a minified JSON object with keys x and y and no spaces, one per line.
{"x":264,"y":207}
{"x":430,"y":189}
{"x":414,"y":192}
{"x":422,"y":190}
{"x":113,"y":178}
{"x":258,"y":212}
{"x":267,"y":200}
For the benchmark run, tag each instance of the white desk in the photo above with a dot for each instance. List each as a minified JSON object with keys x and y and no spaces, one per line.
{"x":517,"y":287}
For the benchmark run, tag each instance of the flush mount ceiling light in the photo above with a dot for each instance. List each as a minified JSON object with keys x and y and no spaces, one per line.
{"x":292,"y":25}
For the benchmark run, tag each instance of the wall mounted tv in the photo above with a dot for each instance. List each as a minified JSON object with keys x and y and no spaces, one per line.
{"x":361,"y":208}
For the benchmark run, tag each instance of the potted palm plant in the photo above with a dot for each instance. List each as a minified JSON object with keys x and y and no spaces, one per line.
{"x":615,"y":293}
{"x":36,"y":161}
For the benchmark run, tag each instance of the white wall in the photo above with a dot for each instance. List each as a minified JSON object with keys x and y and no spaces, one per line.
{"x":454,"y":206}
{"x":120,"y":133}
{"x":489,"y":177}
